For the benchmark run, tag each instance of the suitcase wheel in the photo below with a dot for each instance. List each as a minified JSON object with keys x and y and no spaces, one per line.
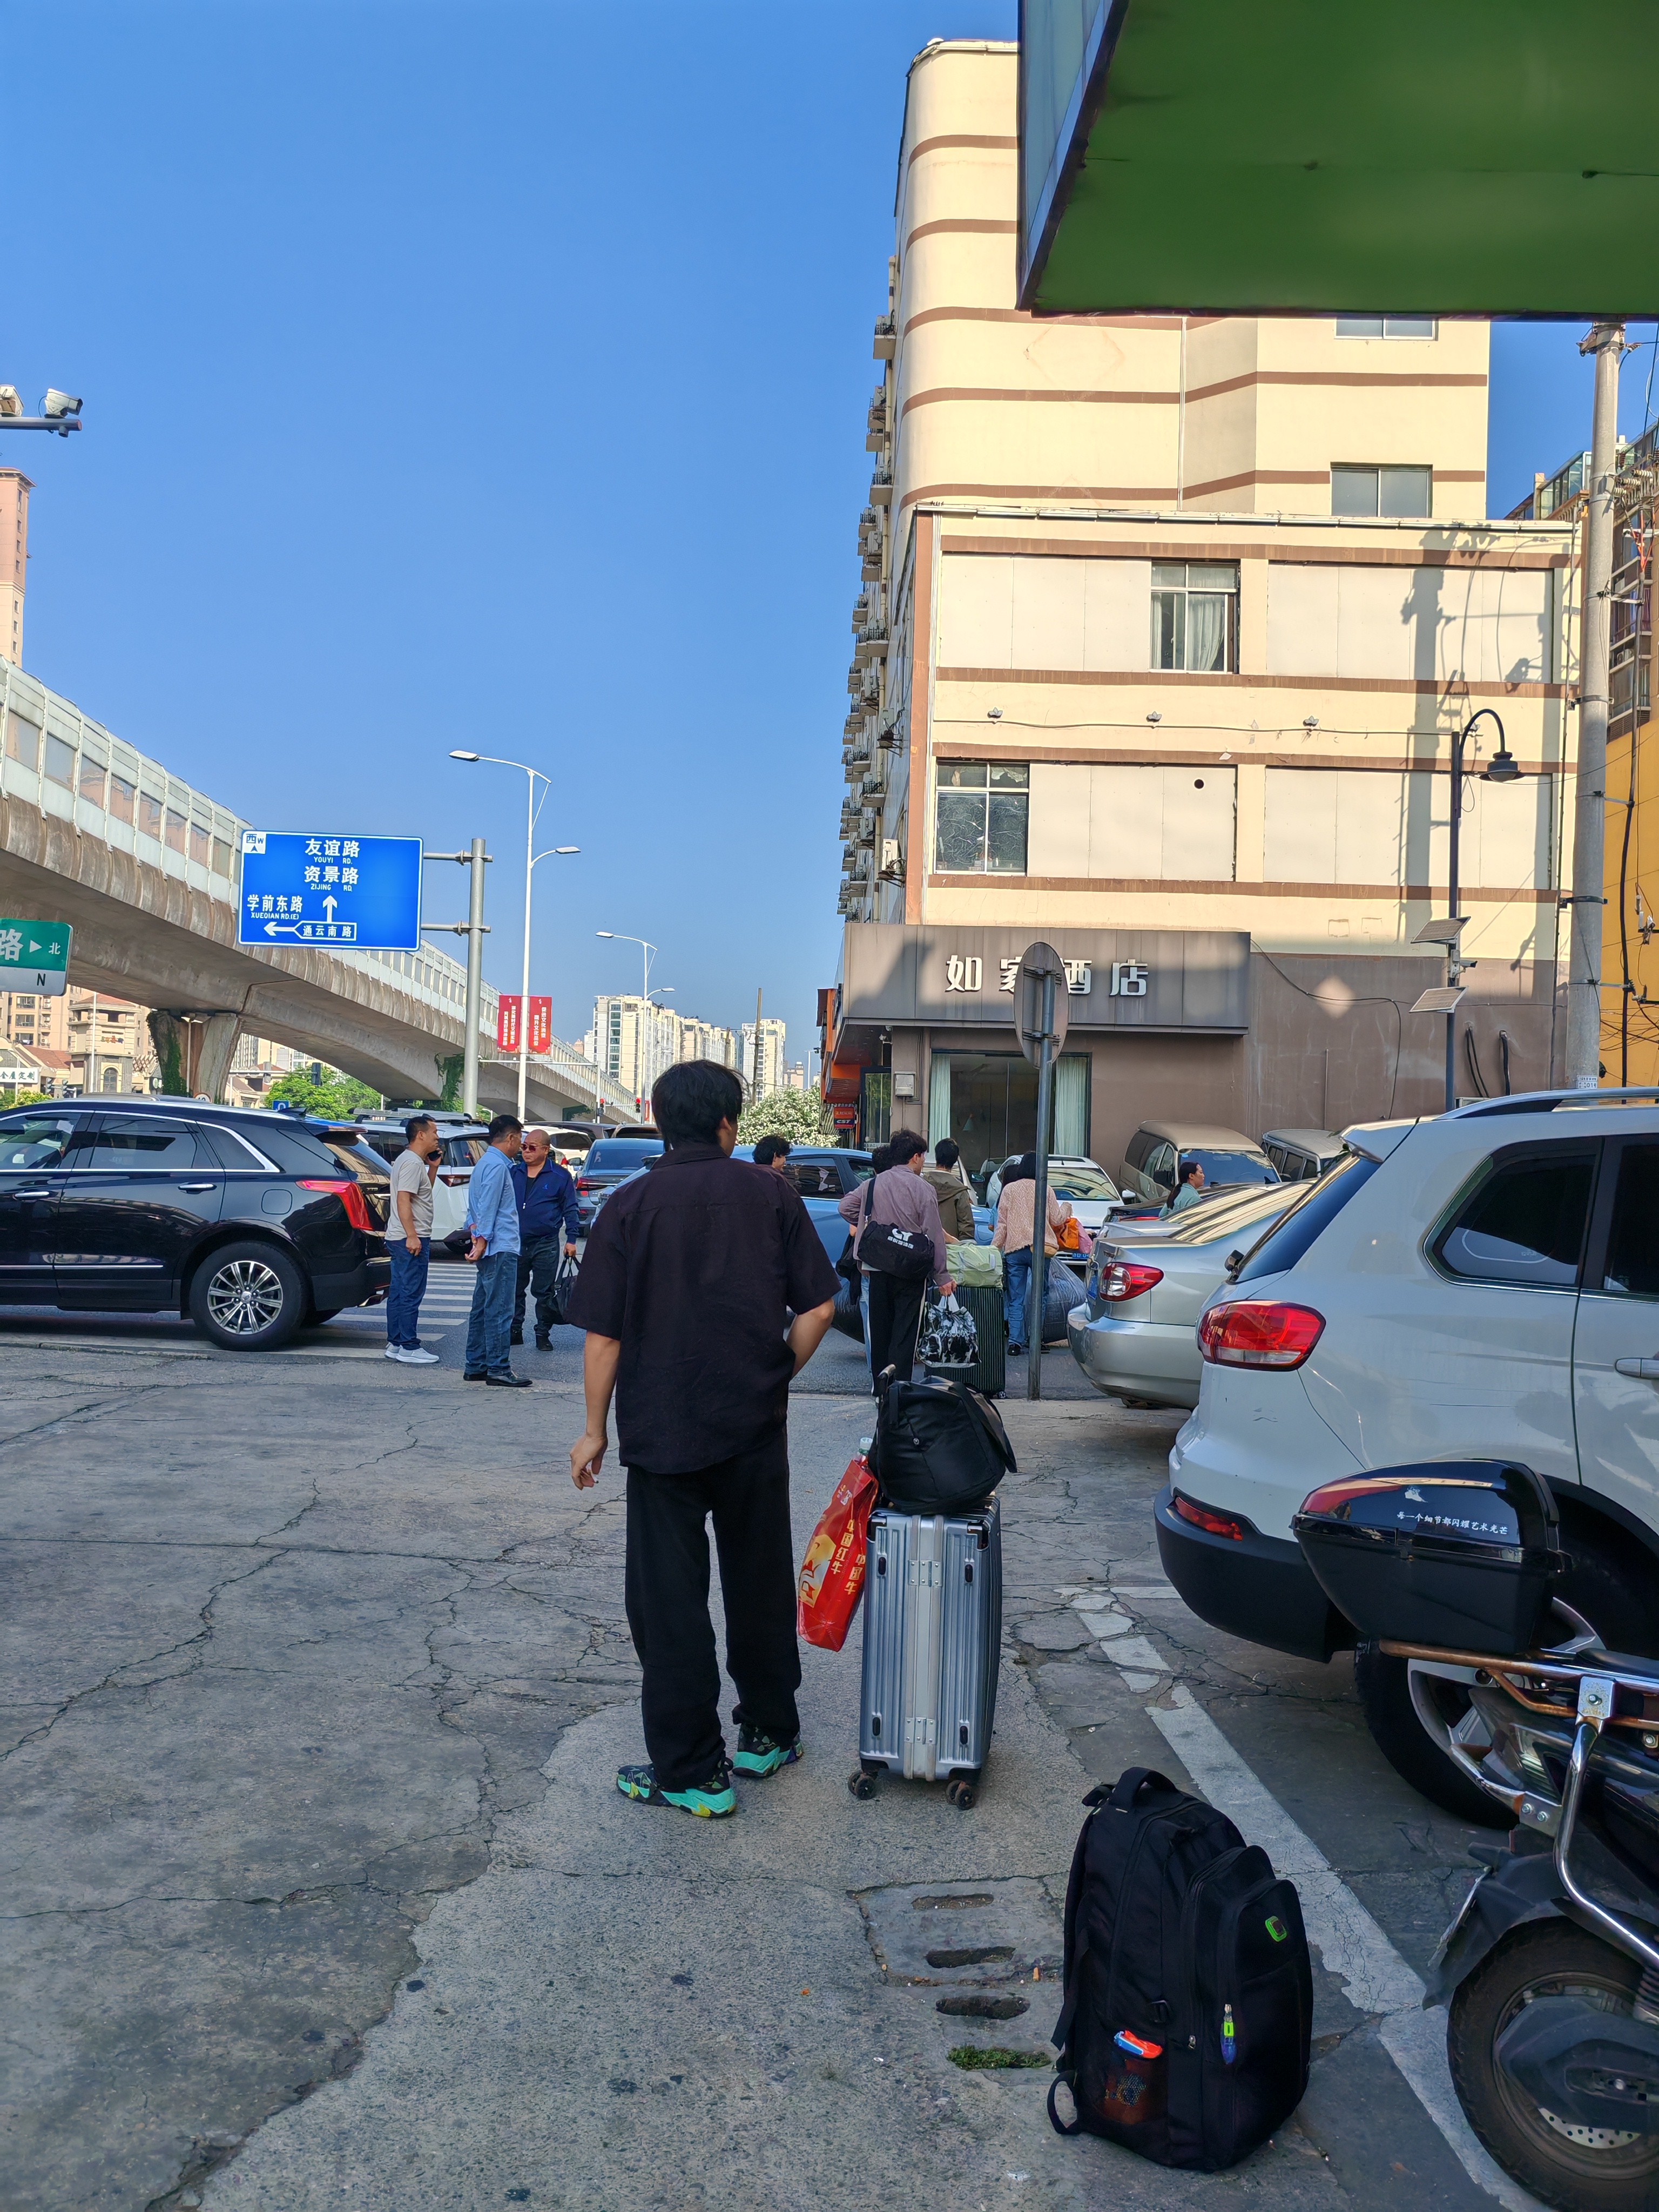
{"x":862,"y":1784}
{"x":959,"y":1791}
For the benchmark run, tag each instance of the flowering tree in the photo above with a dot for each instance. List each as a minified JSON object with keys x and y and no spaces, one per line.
{"x":801,"y":1115}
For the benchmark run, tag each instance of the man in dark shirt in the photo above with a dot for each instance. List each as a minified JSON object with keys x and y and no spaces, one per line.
{"x":690,"y":1273}
{"x":547,"y":1197}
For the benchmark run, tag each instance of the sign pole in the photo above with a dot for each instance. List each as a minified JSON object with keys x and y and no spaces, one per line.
{"x":1036,"y":1293}
{"x":475,"y":939}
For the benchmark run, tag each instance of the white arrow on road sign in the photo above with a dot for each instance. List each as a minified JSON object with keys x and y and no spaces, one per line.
{"x":329,"y":905}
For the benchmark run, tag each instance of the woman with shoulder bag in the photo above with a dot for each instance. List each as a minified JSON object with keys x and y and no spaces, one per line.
{"x":899,"y":1240}
{"x":1014,"y":1237}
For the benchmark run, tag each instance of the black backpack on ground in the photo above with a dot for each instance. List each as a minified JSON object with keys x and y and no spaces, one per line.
{"x":939,"y":1446}
{"x":1185,"y":2031}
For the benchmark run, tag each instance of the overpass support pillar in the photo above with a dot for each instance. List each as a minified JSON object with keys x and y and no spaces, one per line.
{"x":216,"y":1047}
{"x":194,"y":1052}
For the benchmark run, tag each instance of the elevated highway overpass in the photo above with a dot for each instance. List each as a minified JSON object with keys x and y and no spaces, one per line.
{"x":145,"y":870}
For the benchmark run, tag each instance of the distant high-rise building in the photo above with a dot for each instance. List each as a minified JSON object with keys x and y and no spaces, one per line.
{"x":14,"y":489}
{"x":635,"y":1040}
{"x":701,"y":1039}
{"x":769,"y":1074}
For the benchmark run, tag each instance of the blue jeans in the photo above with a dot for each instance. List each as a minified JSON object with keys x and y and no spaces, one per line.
{"x":1016,"y":1291}
{"x":403,"y":1300}
{"x":490,"y":1330}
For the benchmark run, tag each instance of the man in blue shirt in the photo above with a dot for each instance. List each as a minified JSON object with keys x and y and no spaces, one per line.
{"x":492,"y":1216}
{"x":546,"y":1193}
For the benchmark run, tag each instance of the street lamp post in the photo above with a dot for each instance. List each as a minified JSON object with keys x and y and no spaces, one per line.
{"x":532,"y":810}
{"x":1501,"y":768}
{"x":647,"y":950}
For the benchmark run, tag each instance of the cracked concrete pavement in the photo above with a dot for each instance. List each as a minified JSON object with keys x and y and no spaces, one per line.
{"x":315,"y":1676}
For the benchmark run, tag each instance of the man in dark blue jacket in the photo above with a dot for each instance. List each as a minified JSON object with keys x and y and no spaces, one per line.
{"x":547,"y":1197}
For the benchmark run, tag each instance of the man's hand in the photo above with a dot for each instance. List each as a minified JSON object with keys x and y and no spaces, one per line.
{"x":588,"y":1457}
{"x":946,"y":1288}
{"x":477,"y":1249}
{"x":569,"y":1250}
{"x":412,"y":1244}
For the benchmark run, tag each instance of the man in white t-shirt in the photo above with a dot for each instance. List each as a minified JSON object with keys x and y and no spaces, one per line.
{"x":409,"y":1241}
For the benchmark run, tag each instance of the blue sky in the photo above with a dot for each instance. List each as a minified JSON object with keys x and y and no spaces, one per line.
{"x":492,"y":374}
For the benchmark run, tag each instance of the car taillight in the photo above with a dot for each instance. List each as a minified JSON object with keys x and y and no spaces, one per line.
{"x":349,"y":1195}
{"x":1257,"y":1332}
{"x":1212,"y":1524}
{"x":457,"y":1182}
{"x":1127,"y":1278}
{"x":584,"y":1186}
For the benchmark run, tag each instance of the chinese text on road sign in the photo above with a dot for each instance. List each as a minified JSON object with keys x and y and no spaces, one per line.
{"x":325,"y":890}
{"x":34,"y":955}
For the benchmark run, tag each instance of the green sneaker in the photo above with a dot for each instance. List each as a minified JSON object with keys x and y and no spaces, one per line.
{"x":713,"y":1800}
{"x":758,"y":1756}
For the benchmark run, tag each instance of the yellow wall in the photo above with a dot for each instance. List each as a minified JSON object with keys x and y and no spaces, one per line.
{"x":1641,"y":871}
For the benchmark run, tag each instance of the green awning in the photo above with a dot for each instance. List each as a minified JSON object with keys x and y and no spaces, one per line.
{"x":1482,"y":157}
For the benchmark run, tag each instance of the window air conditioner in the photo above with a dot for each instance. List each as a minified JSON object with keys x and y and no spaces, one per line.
{"x":891,"y":865}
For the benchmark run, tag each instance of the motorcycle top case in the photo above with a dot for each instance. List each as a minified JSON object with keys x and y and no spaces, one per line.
{"x":1453,"y":1552}
{"x":940,"y":1447}
{"x":933,"y":1636}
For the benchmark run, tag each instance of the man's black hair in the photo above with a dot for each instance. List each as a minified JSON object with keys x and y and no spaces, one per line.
{"x":692,"y":1098}
{"x":416,"y":1122}
{"x":771,"y":1148}
{"x":881,"y":1158}
{"x":1189,"y":1169}
{"x":906,"y":1143}
{"x":945,"y":1153}
{"x":501,"y":1124}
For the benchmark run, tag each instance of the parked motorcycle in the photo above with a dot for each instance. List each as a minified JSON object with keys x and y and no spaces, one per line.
{"x":1551,"y":1969}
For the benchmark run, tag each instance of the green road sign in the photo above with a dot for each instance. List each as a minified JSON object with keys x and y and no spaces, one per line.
{"x":34,"y":955}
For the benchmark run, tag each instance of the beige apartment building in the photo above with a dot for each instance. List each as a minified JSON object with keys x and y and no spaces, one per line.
{"x":96,"y":1043}
{"x":1166,"y":629}
{"x":14,"y":489}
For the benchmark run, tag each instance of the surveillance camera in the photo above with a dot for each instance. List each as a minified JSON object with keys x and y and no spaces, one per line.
{"x":57,"y":403}
{"x":9,"y":403}
{"x":1154,"y":716}
{"x":993,"y":714}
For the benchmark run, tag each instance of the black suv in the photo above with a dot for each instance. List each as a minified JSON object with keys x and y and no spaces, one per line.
{"x":251,"y":1224}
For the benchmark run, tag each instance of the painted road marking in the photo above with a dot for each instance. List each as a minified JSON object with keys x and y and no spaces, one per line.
{"x":1351,"y":1943}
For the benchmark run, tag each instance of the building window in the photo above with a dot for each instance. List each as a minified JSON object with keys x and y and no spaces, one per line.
{"x":1386,"y":326}
{"x":1407,"y":494}
{"x":983,"y":807}
{"x":60,"y":762}
{"x":1195,"y":615}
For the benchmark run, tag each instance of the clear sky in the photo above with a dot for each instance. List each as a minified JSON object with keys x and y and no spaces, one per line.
{"x":493,"y":373}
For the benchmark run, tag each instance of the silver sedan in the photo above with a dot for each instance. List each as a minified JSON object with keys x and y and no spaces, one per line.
{"x":1135,"y":1335}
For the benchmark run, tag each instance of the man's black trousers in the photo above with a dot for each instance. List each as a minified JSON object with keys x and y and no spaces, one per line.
{"x":538,"y":1263}
{"x":667,"y":1593}
{"x":895,"y":1311}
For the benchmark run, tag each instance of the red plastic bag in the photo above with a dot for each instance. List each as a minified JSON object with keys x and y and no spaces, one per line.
{"x":832,"y":1573}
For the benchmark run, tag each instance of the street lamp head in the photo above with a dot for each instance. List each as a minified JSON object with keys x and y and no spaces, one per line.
{"x":1503,"y":768}
{"x":566,"y":849}
{"x":604,"y":933}
{"x":465,"y":756}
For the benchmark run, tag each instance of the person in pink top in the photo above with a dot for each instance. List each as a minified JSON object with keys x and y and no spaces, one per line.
{"x":1014,"y":1236}
{"x":898,"y":1195}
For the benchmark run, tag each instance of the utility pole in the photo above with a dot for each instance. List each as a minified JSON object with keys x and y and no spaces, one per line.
{"x":475,"y":931}
{"x":1586,"y":901}
{"x":758,"y":1044}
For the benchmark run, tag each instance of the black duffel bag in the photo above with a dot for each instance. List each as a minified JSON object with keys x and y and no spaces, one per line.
{"x":907,"y":1254}
{"x":940,"y":1447}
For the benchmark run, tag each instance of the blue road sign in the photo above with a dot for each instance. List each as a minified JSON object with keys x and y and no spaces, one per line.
{"x":330,"y":890}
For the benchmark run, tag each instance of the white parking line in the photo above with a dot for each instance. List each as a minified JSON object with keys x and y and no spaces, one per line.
{"x":1351,"y":1944}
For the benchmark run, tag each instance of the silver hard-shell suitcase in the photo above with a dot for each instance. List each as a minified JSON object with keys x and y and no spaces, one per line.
{"x":932,"y":1634}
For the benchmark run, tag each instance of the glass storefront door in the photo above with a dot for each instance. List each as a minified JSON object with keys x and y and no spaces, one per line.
{"x":987,"y":1102}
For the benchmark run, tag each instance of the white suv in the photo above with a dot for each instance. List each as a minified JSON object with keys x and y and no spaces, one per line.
{"x":1482,"y":1285}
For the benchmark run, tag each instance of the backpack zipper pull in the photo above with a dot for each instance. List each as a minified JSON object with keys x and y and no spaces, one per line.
{"x":1229,"y":2042}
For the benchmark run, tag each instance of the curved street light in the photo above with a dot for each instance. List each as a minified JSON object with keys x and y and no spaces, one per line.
{"x":647,"y":949}
{"x":534,"y":806}
{"x":1503,"y":768}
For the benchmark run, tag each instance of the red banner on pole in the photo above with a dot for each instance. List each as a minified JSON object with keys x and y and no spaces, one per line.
{"x":507,"y":1024}
{"x":541,"y":1024}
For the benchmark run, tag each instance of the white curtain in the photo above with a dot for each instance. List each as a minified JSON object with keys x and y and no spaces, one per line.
{"x":1071,"y":1104}
{"x":1207,"y":630}
{"x":939,"y":1099}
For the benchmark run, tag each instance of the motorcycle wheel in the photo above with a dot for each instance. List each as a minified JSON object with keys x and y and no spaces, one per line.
{"x":1576,"y":2168}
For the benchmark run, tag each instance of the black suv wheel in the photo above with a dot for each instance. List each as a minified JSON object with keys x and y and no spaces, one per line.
{"x":249,"y":1297}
